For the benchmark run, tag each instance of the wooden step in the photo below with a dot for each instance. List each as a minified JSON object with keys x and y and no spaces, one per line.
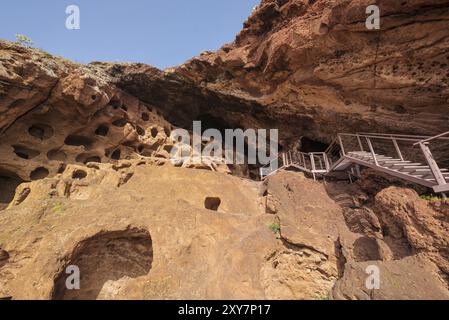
{"x":411,"y":169}
{"x":402,"y":164}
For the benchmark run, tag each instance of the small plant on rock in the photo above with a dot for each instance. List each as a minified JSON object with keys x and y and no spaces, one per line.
{"x":275,"y":227}
{"x":321,"y":296}
{"x":47,"y":55}
{"x":24,"y":40}
{"x":58,"y":208}
{"x":432,"y":198}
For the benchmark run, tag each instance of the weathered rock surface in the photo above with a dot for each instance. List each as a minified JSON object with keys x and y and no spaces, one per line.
{"x":412,"y":278}
{"x":423,"y":224}
{"x":402,"y":235}
{"x":152,"y":237}
{"x":85,"y":178}
{"x":311,"y":68}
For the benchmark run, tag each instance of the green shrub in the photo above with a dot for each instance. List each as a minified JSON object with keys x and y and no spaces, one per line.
{"x":58,"y":207}
{"x":275,"y":227}
{"x":47,"y":55}
{"x":321,"y":296}
{"x":24,"y":40}
{"x":432,"y":198}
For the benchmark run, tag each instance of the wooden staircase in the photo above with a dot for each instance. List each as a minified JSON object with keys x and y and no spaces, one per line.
{"x":412,"y":160}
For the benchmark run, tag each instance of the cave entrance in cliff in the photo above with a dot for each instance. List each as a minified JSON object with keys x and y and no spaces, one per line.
{"x":103,"y":259}
{"x":309,"y":145}
{"x":9,"y":182}
{"x":210,"y":122}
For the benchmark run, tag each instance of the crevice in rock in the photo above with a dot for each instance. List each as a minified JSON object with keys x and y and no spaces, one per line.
{"x":4,"y":258}
{"x":50,"y":92}
{"x":341,"y":259}
{"x":124,"y":179}
{"x":299,"y":246}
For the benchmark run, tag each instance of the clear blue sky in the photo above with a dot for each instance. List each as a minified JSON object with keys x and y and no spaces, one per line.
{"x":162,"y":33}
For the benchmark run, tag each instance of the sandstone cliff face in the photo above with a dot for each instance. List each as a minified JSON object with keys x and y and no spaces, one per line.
{"x":143,"y":230}
{"x":163,"y":238}
{"x":84,"y":170}
{"x":311,"y":68}
{"x":54,"y":112}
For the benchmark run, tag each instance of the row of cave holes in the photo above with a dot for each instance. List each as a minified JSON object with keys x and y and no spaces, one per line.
{"x":435,"y":65}
{"x":44,"y":132}
{"x":116,"y":104}
{"x":72,"y":140}
{"x":103,"y":130}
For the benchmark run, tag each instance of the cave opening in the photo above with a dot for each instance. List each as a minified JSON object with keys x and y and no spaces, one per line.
{"x":140,"y":131}
{"x":145,"y":117}
{"x":104,"y":258}
{"x":116,"y":155}
{"x":57,"y":155}
{"x":9,"y":182}
{"x":212,"y":203}
{"x":210,"y":122}
{"x":77,"y":141}
{"x":41,"y":131}
{"x":25,"y":152}
{"x":79,"y":174}
{"x":309,"y":145}
{"x":86,"y":158}
{"x":120,"y":123}
{"x":39,"y":173}
{"x":102,"y":130}
{"x":154,"y":132}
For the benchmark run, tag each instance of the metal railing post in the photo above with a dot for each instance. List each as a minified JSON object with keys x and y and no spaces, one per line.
{"x":326,"y":162}
{"x":284,"y":160}
{"x":432,"y":164}
{"x":398,"y":150}
{"x":360,"y":143}
{"x":340,"y":140}
{"x":370,"y":145}
{"x":312,"y":160}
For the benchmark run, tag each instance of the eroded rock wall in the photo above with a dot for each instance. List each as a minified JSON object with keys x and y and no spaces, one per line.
{"x":312,"y":68}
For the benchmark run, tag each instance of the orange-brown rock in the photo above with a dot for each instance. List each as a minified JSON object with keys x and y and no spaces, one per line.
{"x":139,"y":230}
{"x":312,"y":68}
{"x":85,"y":176}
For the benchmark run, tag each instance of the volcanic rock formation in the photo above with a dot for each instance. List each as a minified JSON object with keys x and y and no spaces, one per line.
{"x":85,"y":176}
